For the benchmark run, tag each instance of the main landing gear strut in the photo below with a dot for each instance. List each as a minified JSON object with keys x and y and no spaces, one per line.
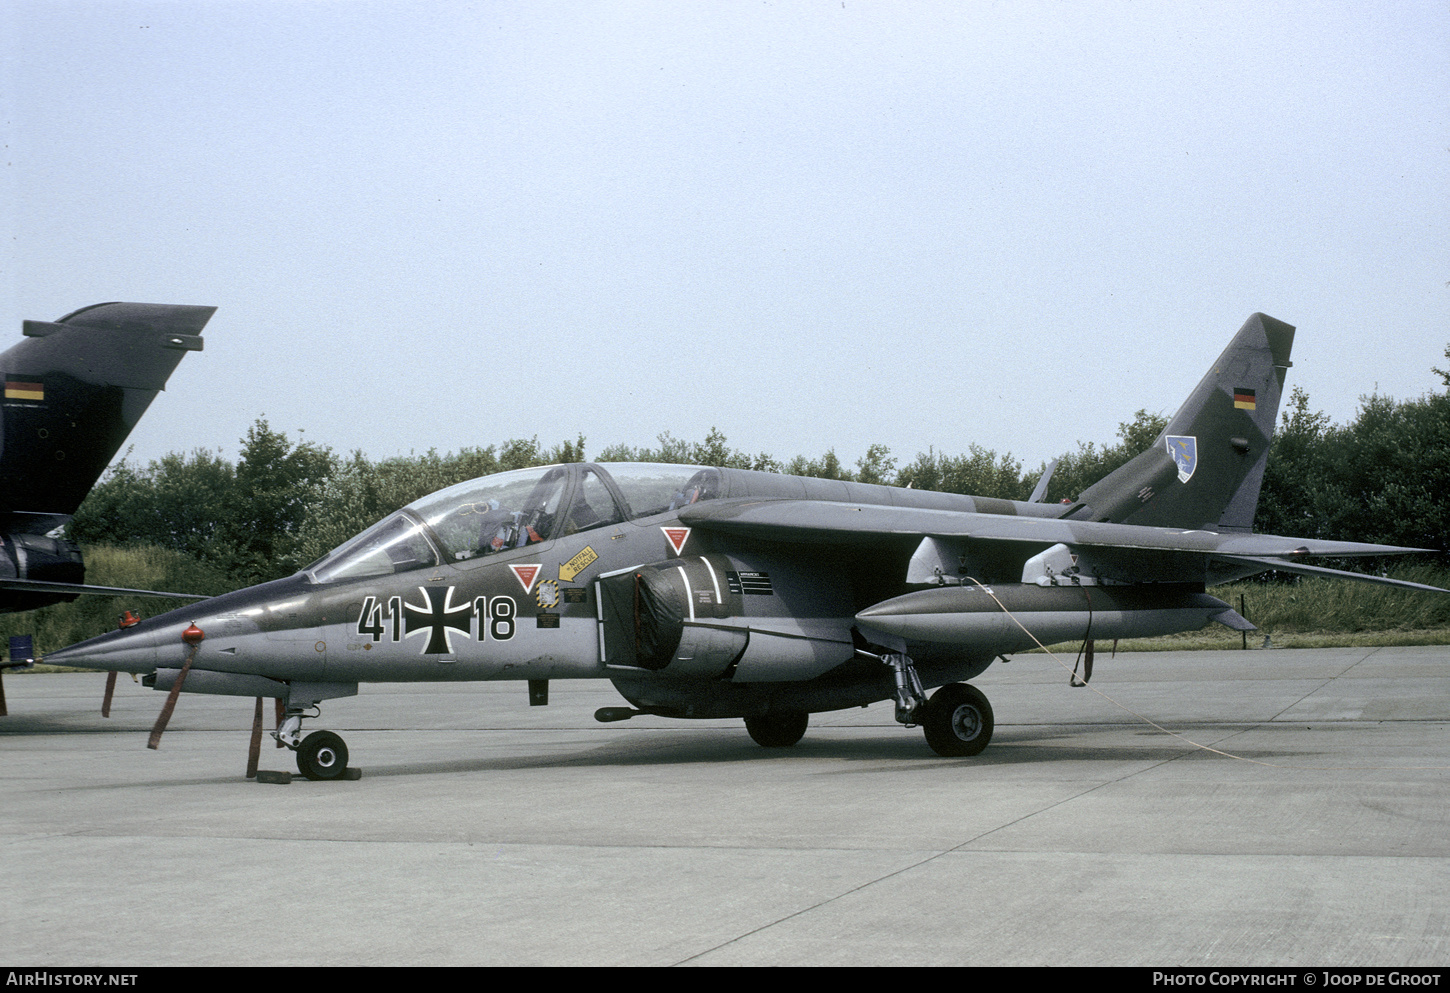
{"x":957,"y":720}
{"x":320,"y":755}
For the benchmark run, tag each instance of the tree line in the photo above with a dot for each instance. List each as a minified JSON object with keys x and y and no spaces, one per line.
{"x":1381,"y":478}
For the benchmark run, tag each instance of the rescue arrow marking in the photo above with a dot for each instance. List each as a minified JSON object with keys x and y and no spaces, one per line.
{"x":577,"y":564}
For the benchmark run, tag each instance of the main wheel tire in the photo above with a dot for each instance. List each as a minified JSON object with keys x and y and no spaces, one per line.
{"x":322,"y":755}
{"x":958,"y":720}
{"x":777,"y":730}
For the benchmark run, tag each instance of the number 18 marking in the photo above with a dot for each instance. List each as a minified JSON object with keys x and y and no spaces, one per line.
{"x":500,"y":612}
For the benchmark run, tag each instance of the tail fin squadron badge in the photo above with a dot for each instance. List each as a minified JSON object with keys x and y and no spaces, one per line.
{"x":1184,"y":449}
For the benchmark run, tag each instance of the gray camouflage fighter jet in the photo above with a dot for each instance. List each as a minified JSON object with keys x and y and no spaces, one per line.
{"x":74,"y":389}
{"x":710,"y":593}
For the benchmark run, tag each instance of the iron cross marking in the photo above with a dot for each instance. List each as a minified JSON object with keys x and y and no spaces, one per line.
{"x":437,"y":617}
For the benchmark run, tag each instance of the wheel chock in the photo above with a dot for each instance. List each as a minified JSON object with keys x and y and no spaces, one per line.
{"x":351,"y":774}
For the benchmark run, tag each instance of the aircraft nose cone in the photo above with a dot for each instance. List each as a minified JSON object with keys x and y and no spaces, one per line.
{"x":131,"y":650}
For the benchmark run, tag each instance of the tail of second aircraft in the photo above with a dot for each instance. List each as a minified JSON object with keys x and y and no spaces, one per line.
{"x":73,"y":389}
{"x":1205,"y":469}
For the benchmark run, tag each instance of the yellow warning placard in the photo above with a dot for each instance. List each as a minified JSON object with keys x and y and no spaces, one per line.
{"x":578,"y":564}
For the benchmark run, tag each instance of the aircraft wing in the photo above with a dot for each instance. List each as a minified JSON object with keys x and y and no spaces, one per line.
{"x":825,"y":522}
{"x":44,"y":586}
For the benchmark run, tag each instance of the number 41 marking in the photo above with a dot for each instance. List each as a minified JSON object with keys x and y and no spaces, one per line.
{"x":370,"y":619}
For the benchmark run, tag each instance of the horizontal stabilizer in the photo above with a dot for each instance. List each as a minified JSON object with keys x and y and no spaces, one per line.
{"x":1303,"y":568}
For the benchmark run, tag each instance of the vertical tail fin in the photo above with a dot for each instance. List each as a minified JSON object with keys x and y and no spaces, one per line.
{"x":1205,"y":469}
{"x":73,"y":390}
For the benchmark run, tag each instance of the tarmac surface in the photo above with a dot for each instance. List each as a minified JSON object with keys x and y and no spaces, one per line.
{"x":486,"y":832}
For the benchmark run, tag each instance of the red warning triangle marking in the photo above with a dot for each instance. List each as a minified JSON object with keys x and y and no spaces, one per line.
{"x":526,"y":574}
{"x":676,"y":537}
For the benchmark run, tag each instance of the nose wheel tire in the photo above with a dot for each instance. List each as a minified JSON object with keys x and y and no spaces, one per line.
{"x":777,"y":730}
{"x":322,"y":755}
{"x":958,"y":720}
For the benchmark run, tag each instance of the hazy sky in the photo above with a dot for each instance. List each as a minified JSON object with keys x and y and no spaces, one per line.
{"x":811,"y":224}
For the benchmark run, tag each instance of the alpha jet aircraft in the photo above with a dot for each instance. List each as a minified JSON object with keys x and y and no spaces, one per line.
{"x":713,"y":592}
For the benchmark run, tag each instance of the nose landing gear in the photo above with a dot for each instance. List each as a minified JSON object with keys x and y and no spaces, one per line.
{"x":321,"y":755}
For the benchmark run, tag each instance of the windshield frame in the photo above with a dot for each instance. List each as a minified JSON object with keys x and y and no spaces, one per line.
{"x":343,"y":562}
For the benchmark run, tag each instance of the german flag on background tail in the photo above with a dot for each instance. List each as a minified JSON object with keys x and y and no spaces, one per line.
{"x":23,"y":390}
{"x":1243,"y":398}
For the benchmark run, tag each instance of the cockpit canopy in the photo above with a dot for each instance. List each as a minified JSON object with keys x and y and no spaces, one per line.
{"x":493,"y":514}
